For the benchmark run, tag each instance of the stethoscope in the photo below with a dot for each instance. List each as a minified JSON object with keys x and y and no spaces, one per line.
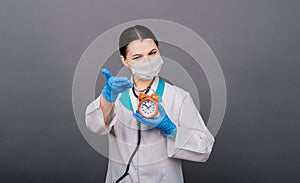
{"x":139,"y":133}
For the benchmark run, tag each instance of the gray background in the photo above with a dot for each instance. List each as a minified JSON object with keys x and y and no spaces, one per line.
{"x":256,"y":42}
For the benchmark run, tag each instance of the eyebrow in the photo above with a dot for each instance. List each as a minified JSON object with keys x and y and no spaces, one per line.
{"x":140,"y":54}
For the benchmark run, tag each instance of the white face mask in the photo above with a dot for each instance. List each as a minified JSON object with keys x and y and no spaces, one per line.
{"x":147,"y":70}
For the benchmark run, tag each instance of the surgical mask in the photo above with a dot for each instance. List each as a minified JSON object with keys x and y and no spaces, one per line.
{"x":148,"y":69}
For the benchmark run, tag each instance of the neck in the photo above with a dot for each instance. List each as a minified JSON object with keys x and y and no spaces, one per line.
{"x":140,"y":84}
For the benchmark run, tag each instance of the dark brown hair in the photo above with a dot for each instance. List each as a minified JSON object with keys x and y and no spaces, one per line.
{"x":137,"y":32}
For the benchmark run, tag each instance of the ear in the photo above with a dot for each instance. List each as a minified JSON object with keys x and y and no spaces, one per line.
{"x":124,"y":61}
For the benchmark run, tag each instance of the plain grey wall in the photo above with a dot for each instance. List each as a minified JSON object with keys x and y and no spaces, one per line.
{"x":256,"y":42}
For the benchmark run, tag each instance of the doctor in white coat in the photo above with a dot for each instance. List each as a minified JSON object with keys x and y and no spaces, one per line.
{"x":146,"y":149}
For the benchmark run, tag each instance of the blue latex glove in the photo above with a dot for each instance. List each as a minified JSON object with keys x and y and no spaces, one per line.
{"x":163,"y":122}
{"x":114,"y":85}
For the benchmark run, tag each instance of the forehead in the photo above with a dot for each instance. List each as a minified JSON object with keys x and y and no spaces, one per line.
{"x":141,"y":46}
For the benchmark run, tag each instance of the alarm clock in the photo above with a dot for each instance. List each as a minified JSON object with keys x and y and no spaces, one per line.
{"x":148,"y":105}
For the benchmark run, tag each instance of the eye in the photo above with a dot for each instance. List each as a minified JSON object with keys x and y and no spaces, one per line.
{"x":154,"y":52}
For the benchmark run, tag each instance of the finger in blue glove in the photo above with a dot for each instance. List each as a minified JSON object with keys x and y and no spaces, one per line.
{"x":163,"y":122}
{"x":114,"y":85}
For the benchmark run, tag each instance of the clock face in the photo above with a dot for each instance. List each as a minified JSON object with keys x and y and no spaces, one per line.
{"x":148,"y":108}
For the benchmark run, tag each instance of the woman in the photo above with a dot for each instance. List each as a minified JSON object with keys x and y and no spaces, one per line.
{"x":146,"y":149}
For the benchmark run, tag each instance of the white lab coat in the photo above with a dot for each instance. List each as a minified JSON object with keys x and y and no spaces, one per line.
{"x":158,"y":158}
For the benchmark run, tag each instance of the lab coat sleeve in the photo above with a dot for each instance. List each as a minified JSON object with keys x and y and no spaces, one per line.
{"x":94,"y":119}
{"x":193,"y":140}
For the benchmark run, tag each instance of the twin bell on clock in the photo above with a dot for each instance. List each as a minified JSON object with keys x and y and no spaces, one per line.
{"x":148,"y":105}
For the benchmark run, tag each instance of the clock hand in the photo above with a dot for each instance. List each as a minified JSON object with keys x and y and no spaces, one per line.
{"x":147,"y":106}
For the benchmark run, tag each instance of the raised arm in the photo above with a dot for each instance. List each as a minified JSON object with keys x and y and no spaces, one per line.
{"x":100,"y":112}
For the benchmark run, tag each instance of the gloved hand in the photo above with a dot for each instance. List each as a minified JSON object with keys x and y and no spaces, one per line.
{"x":114,"y":85}
{"x":163,"y":122}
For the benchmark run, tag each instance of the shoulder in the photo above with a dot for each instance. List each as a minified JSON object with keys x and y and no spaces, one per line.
{"x":175,"y":91}
{"x":173,"y":88}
